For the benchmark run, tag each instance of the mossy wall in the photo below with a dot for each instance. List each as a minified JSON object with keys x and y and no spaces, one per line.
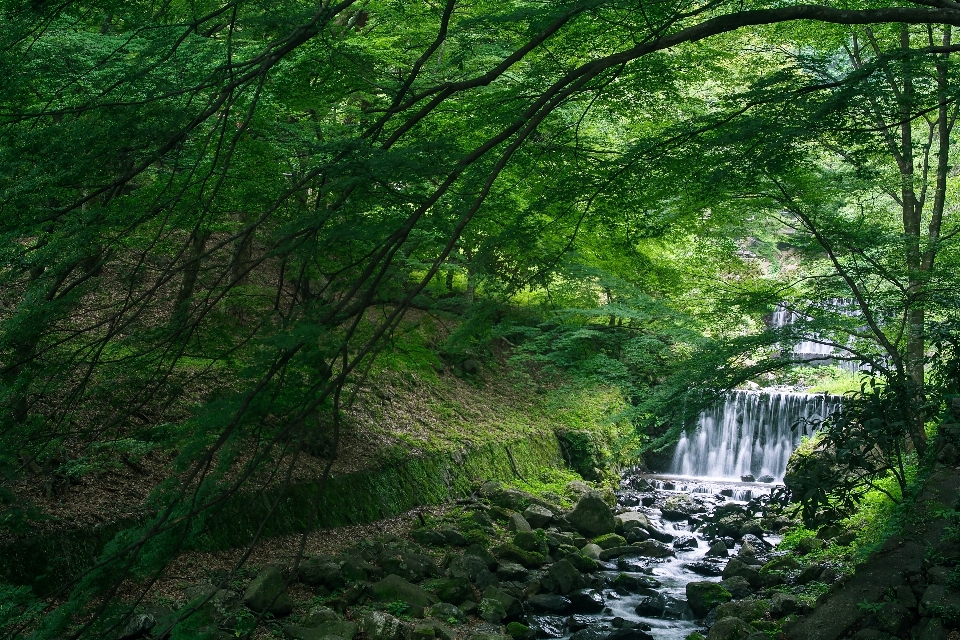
{"x":370,"y":495}
{"x":47,"y":561}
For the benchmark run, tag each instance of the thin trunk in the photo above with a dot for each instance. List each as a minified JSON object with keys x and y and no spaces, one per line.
{"x":191,"y":272}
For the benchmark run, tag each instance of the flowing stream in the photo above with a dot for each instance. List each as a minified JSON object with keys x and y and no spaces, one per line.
{"x":750,"y":433}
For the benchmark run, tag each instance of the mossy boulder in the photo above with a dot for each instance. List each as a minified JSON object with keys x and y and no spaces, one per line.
{"x":519,"y":631}
{"x":565,"y":577}
{"x":378,"y":625}
{"x":704,"y":596}
{"x":393,"y":588}
{"x":513,"y":553}
{"x":452,"y":590}
{"x":783,"y":563}
{"x":748,"y":609}
{"x":267,"y":593}
{"x":609,"y":540}
{"x":730,"y":629}
{"x":531,"y":541}
{"x":592,"y":516}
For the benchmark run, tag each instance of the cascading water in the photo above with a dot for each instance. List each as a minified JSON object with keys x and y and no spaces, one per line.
{"x":811,"y":350}
{"x":750,"y":433}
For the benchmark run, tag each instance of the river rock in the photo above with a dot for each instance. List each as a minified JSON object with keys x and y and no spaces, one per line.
{"x":747,"y":478}
{"x":530,"y":541}
{"x":810,"y":574}
{"x":549,"y":603}
{"x":492,"y":610}
{"x":705,"y":568}
{"x":654,"y":549}
{"x":267,"y":593}
{"x":138,"y":626}
{"x":547,"y":626}
{"x":628,"y":634}
{"x":593,"y":632}
{"x":537,"y":516}
{"x":378,"y":625}
{"x":661,"y":606}
{"x":518,"y":523}
{"x":680,"y":507}
{"x":704,"y":596}
{"x":592,"y":516}
{"x":563,"y":577}
{"x":610,"y":540}
{"x":782,"y":604}
{"x":730,"y":629}
{"x":631,"y":520}
{"x":685,"y":542}
{"x":591,"y":551}
{"x":393,"y":588}
{"x":809,"y":545}
{"x":738,"y":586}
{"x":767,"y":478}
{"x":930,"y":629}
{"x":429,"y":537}
{"x":747,"y":609}
{"x":739,"y":568}
{"x":718,"y":550}
{"x":626,"y":583}
{"x":586,"y":601}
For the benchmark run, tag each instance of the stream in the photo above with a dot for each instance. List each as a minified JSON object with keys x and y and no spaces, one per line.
{"x":750,"y":435}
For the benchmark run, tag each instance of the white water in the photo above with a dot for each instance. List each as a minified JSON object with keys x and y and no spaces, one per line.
{"x":814,"y":350}
{"x":750,"y":433}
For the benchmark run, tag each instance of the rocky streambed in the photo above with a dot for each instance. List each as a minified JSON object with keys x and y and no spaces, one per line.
{"x":644,"y":562}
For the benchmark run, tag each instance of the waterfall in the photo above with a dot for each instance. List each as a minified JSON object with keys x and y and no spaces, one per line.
{"x":809,"y":350}
{"x":750,"y":433}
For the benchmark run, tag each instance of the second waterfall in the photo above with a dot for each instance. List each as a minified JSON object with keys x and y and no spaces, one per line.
{"x":749,"y":433}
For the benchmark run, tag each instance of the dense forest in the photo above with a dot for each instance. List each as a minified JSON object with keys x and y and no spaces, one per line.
{"x":228,"y":227}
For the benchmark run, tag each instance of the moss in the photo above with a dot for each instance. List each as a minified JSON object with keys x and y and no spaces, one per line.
{"x":517,"y":631}
{"x":529,"y":559}
{"x":609,"y":540}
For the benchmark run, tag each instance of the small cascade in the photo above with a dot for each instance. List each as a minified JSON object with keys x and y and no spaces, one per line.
{"x":749,"y":434}
{"x":811,"y":350}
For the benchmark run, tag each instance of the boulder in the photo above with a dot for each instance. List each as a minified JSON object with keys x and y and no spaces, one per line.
{"x":782,"y":604}
{"x":518,"y":523}
{"x":267,"y":593}
{"x":661,"y":606}
{"x":628,"y":634}
{"x":356,"y":569}
{"x":336,"y":628}
{"x":930,"y":629}
{"x":429,"y":537}
{"x":454,"y":537}
{"x":591,"y":551}
{"x":738,"y":586}
{"x":782,"y":563}
{"x":537,"y":516}
{"x":766,"y":478}
{"x":478,"y":551}
{"x":610,"y":540}
{"x":448,"y":613}
{"x":393,"y":588}
{"x":626,"y":583}
{"x":592,"y":516}
{"x":138,"y":626}
{"x":545,"y":626}
{"x":378,"y":625}
{"x":747,"y":478}
{"x":749,"y":609}
{"x":321,"y":571}
{"x":520,"y":631}
{"x":513,"y":553}
{"x":685,"y":542}
{"x":730,"y":629}
{"x":739,"y":568}
{"x":565,"y":577}
{"x":718,"y":550}
{"x":467,"y":567}
{"x":810,"y":574}
{"x":453,"y":590}
{"x":680,"y":507}
{"x":937,"y":599}
{"x":512,"y":572}
{"x":511,"y":606}
{"x":549,"y":603}
{"x":654,"y":549}
{"x":586,"y":601}
{"x":513,"y":499}
{"x":704,"y":596}
{"x":492,"y":610}
{"x":319,"y":615}
{"x":809,"y":544}
{"x":530,"y":541}
{"x":631,"y":520}
{"x":705,"y":568}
